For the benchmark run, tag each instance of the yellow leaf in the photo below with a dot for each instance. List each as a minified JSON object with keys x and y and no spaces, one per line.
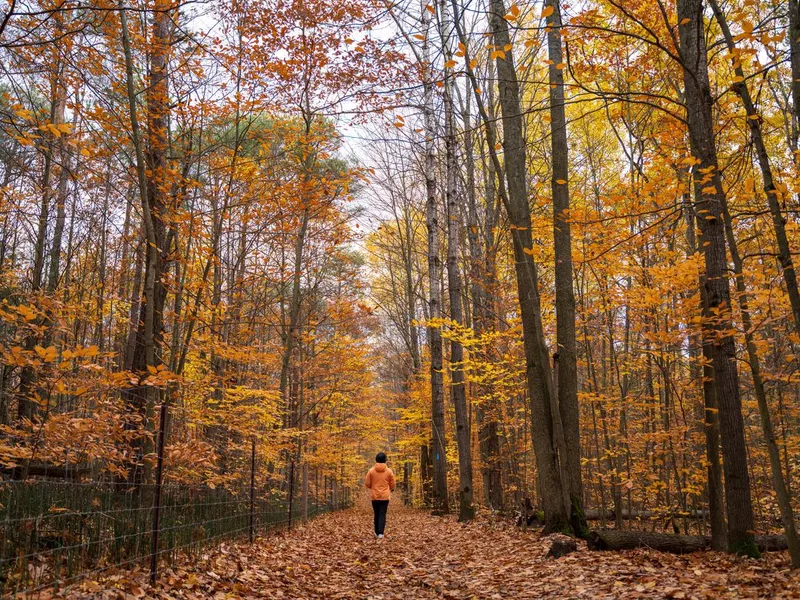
{"x":548,"y":10}
{"x":47,"y":354}
{"x":450,"y":64}
{"x":25,"y":141}
{"x":685,"y":21}
{"x":561,"y":181}
{"x":24,"y":113}
{"x":26,"y":312}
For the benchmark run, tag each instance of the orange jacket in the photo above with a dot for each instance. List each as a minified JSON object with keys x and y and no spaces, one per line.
{"x":380,"y":480}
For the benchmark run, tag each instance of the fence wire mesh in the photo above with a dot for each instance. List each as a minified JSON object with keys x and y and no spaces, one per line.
{"x":53,"y":533}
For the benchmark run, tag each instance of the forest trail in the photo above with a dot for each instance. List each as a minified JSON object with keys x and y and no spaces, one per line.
{"x":337,"y":557}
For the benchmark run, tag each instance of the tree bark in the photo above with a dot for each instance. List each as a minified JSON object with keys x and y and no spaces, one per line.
{"x":544,"y":410}
{"x":710,"y":420}
{"x":458,"y":392}
{"x":481,"y":274}
{"x":151,"y":172}
{"x":565,"y":296}
{"x":438,"y":438}
{"x":709,"y":199}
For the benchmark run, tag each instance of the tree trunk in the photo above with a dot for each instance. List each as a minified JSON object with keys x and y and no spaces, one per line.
{"x":709,"y":199}
{"x":482,"y":266}
{"x":438,"y":438}
{"x":710,"y":420}
{"x":458,"y":392}
{"x":151,"y":172}
{"x":540,"y":385}
{"x":545,"y":417}
{"x":565,"y":296}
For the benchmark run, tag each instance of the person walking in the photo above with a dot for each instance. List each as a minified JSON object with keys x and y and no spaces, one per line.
{"x":380,"y":481}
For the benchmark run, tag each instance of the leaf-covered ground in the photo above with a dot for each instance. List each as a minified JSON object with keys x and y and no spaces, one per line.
{"x":337,"y":557}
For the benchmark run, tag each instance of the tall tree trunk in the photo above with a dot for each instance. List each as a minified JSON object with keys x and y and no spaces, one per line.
{"x":710,"y":421}
{"x":545,"y":417}
{"x":709,"y":200}
{"x":487,"y":412}
{"x":565,"y":296}
{"x":438,"y":438}
{"x":458,"y":392}
{"x":151,"y":172}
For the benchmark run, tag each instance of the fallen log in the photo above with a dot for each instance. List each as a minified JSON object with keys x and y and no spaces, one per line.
{"x":612,"y":539}
{"x":594,"y":514}
{"x":771,"y":543}
{"x":46,"y":470}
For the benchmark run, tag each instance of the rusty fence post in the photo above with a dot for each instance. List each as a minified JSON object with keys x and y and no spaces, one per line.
{"x":291,"y":491}
{"x":162,"y":428}
{"x":252,"y":488}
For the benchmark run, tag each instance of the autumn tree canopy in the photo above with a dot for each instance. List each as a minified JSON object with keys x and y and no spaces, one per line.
{"x":542,"y":254}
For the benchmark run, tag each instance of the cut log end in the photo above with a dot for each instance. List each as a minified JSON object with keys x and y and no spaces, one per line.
{"x":561,"y":547}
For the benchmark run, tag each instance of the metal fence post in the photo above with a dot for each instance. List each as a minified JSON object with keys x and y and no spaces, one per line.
{"x":162,"y":428}
{"x":252,"y":487}
{"x":291,"y":491}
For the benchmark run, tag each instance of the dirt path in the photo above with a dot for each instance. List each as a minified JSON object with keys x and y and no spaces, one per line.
{"x":337,"y":557}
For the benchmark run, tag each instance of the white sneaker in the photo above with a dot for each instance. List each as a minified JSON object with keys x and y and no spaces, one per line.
{"x":380,"y":536}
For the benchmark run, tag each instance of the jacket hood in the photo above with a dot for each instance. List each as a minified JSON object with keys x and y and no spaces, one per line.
{"x":380,"y":467}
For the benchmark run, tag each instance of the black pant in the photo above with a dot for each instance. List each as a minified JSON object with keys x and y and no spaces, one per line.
{"x":379,"y":507}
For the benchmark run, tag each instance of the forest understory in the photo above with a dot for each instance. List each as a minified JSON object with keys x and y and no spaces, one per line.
{"x":422,"y":556}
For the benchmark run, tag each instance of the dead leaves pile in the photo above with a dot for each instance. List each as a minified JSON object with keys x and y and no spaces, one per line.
{"x":337,"y":557}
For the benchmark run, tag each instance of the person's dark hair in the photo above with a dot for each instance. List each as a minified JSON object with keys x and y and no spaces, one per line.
{"x":380,"y":458}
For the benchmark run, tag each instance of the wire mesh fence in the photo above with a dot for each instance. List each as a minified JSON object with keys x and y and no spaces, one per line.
{"x":53,"y":533}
